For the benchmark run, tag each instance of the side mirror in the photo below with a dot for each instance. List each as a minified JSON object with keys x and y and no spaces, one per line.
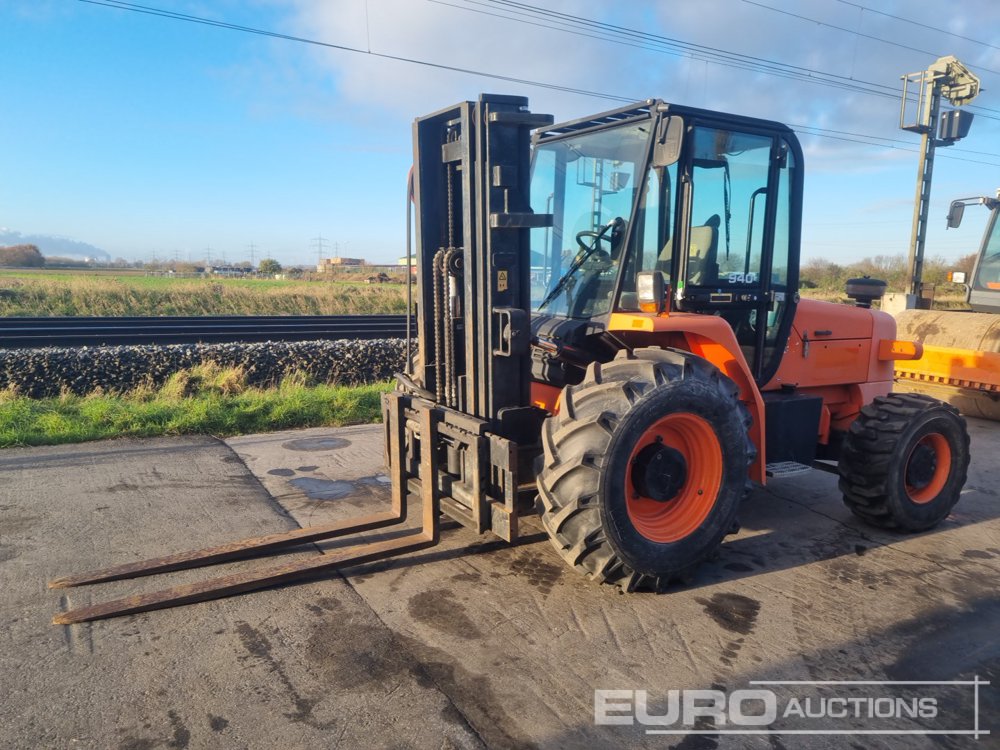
{"x":955,"y":214}
{"x":667,"y":148}
{"x":649,"y":286}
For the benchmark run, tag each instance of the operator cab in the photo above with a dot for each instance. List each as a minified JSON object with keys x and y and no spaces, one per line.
{"x":984,"y":292}
{"x":705,"y":206}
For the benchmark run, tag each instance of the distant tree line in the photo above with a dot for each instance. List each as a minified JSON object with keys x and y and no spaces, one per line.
{"x":29,"y":256}
{"x":21,"y":256}
{"x":892,"y":269}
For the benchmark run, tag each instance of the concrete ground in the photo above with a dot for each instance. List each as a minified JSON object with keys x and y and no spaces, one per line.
{"x":473,"y":643}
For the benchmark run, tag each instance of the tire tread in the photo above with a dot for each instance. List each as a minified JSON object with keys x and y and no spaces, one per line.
{"x":581,"y":433}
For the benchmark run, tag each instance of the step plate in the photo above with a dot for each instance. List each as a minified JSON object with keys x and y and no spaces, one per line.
{"x":782,"y":469}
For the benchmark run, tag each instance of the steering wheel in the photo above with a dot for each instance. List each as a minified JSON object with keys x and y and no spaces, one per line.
{"x":597,"y":236}
{"x":602,"y":256}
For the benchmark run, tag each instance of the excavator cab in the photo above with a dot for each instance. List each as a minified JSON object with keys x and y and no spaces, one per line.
{"x":984,"y":291}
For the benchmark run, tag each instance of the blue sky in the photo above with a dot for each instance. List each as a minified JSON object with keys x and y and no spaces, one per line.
{"x":144,"y":135}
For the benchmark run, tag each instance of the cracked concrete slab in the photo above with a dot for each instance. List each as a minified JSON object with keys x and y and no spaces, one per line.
{"x":299,"y":667}
{"x":804,"y":592}
{"x":468,"y":644}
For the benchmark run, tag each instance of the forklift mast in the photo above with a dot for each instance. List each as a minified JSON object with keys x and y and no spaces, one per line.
{"x":461,"y":427}
{"x":471,"y":191}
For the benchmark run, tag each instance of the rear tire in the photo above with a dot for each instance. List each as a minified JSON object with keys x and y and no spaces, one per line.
{"x":905,"y":461}
{"x":644,"y":467}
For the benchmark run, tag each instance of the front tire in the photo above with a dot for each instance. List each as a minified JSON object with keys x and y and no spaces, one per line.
{"x":905,"y":461}
{"x":644,"y":467}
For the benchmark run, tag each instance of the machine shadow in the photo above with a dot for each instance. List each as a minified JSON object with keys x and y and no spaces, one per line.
{"x":777,"y":533}
{"x":941,"y":647}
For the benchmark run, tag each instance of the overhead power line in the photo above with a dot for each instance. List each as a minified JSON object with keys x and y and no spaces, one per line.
{"x":571,"y":23}
{"x":586,"y":27}
{"x":805,"y":130}
{"x":917,"y":23}
{"x":879,"y":39}
{"x":889,"y":140}
{"x":174,"y":15}
{"x":148,"y":10}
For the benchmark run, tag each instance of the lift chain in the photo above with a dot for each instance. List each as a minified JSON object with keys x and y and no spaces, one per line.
{"x":438,"y":267}
{"x":449,"y":327}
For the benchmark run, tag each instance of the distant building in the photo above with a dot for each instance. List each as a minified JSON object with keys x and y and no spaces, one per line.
{"x":229,"y":270}
{"x":326,"y":265}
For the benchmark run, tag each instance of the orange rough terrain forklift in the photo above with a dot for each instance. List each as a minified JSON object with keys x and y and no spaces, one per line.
{"x":666,"y":361}
{"x":609,"y":323}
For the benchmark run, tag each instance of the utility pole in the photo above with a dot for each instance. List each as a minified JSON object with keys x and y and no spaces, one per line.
{"x":252,"y":247}
{"x":947,"y":78}
{"x":320,"y":244}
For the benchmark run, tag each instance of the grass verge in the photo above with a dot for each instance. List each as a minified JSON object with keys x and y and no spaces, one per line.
{"x":205,"y":400}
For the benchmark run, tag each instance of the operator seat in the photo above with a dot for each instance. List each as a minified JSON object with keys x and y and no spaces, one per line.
{"x":703,"y":253}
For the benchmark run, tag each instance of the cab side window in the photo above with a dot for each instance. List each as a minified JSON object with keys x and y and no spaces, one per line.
{"x":728,"y":203}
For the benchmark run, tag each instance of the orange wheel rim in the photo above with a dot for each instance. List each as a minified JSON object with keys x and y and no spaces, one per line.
{"x":927,"y":468}
{"x":671,"y":520}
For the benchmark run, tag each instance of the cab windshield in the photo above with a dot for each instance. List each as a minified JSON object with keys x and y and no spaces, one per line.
{"x":988,"y":273}
{"x":589,"y":184}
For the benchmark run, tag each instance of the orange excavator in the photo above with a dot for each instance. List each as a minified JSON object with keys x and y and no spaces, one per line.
{"x":961,"y":361}
{"x":611,"y":336}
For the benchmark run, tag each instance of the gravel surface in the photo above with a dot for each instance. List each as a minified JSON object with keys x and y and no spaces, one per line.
{"x":47,"y":372}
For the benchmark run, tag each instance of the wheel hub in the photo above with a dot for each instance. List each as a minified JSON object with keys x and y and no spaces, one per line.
{"x":921,"y":467}
{"x":659,"y":472}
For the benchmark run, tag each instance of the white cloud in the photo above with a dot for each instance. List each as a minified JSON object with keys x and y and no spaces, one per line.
{"x":844,"y":178}
{"x":463,"y":35}
{"x":471,"y":34}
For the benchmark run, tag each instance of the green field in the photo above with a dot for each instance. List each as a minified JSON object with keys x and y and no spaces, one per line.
{"x":68,"y":293}
{"x":57,"y":292}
